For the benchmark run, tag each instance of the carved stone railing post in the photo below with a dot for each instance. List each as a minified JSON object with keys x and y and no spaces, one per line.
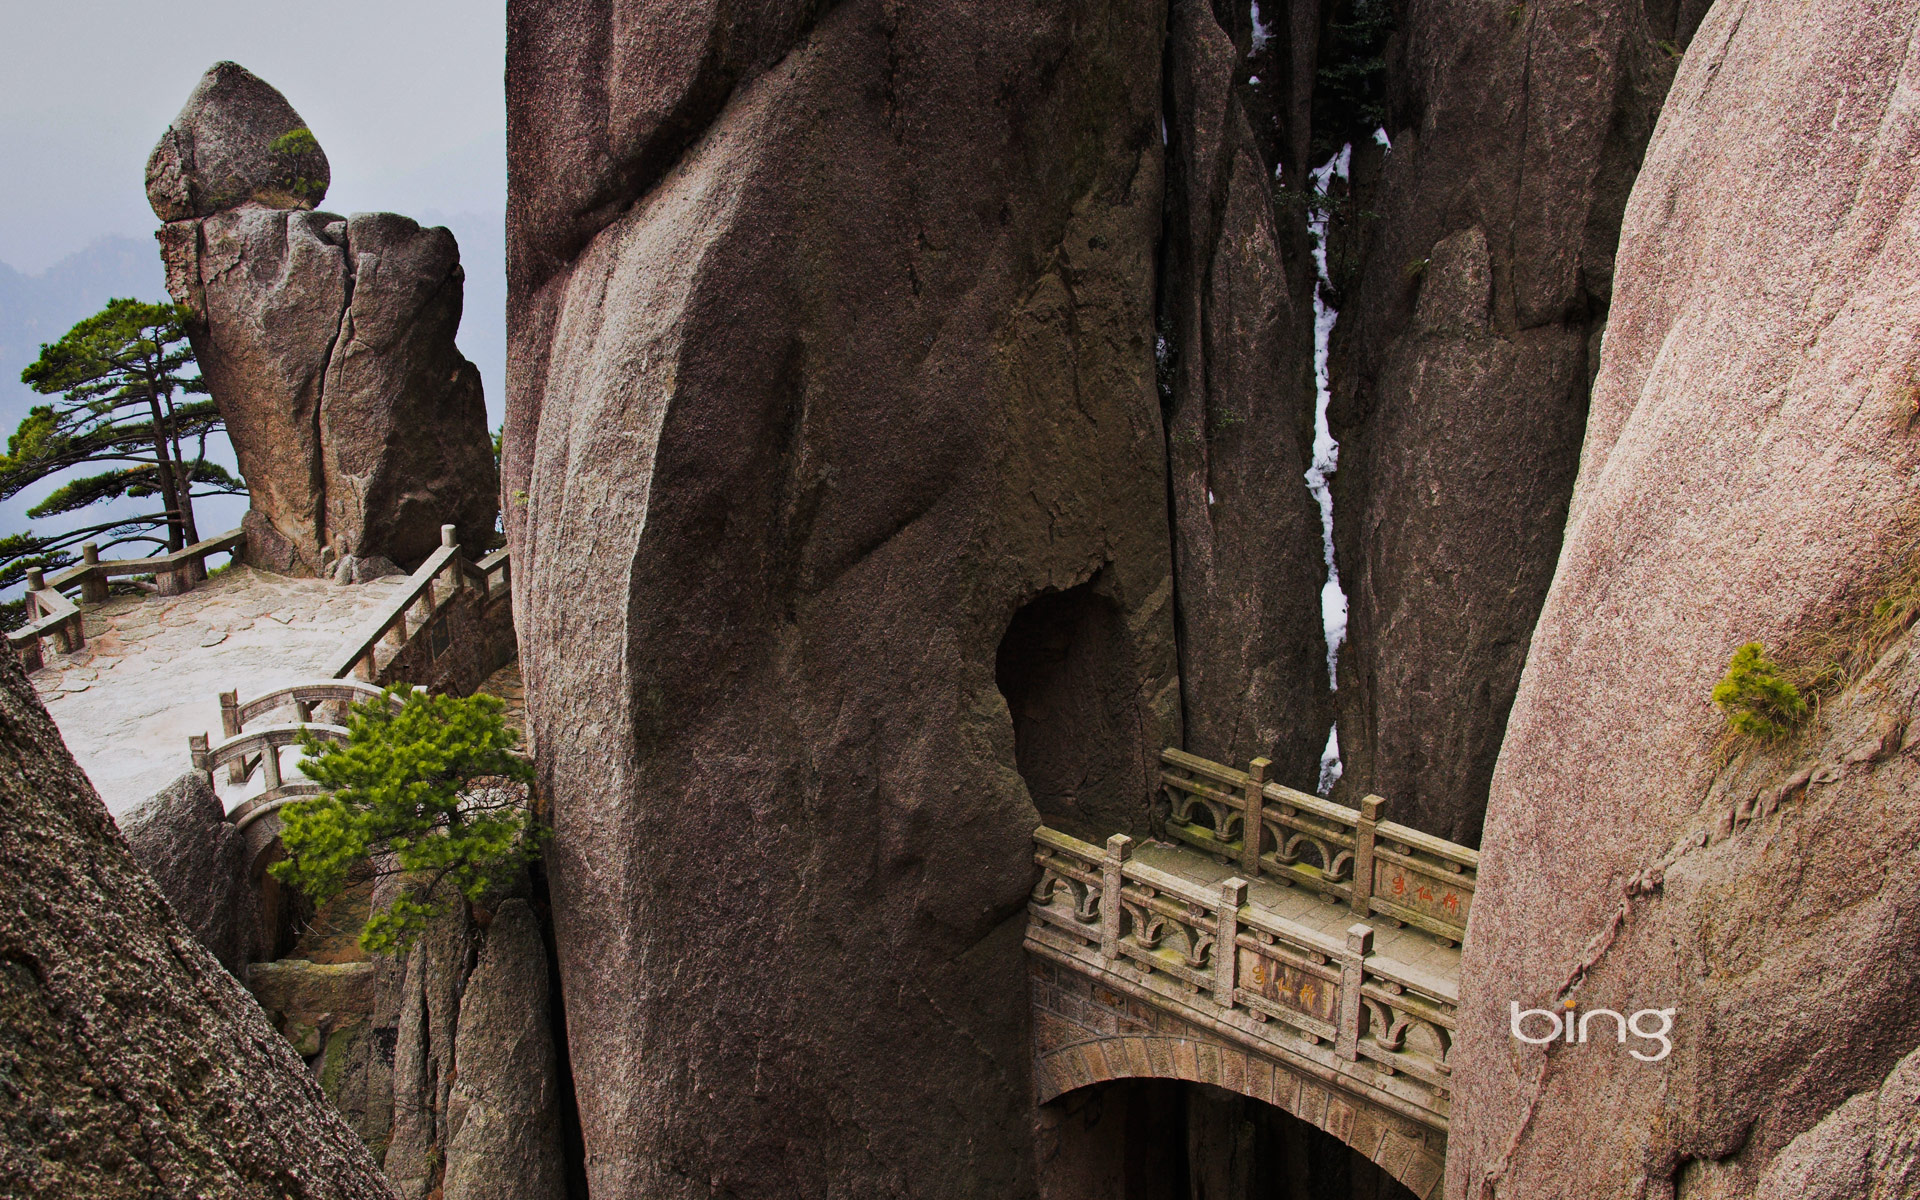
{"x":1352,"y":970}
{"x":1112,"y":878}
{"x":1252,"y":823}
{"x":229,"y":726}
{"x":1226,"y":937}
{"x":93,"y":586}
{"x":197,"y":745}
{"x":450,"y":538}
{"x":1361,"y":898}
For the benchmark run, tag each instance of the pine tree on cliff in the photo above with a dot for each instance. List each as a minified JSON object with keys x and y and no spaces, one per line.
{"x":124,"y":398}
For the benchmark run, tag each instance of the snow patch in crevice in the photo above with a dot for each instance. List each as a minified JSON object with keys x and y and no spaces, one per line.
{"x":1262,"y":32}
{"x":1381,"y":139}
{"x":1326,"y":451}
{"x":1331,"y":768}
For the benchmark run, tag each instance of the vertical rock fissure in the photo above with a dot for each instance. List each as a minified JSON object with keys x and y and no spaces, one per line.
{"x":321,"y":536}
{"x":1326,"y":451}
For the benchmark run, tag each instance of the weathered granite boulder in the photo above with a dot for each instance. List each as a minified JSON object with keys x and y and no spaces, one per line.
{"x":328,"y":344}
{"x":201,"y":863}
{"x":267,"y":288}
{"x":403,"y":428}
{"x":472,"y":1072}
{"x":133,"y":1064}
{"x":1462,"y":361}
{"x":503,"y":1114}
{"x":1747,"y":476}
{"x":426,"y":1054}
{"x":237,"y":140}
{"x":1237,"y":348}
{"x":832,"y":368}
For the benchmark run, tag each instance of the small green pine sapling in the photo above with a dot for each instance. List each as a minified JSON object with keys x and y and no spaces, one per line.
{"x":429,"y":782}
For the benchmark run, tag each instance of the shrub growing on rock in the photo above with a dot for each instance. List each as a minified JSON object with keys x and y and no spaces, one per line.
{"x":1757,"y":698}
{"x":430,"y":789}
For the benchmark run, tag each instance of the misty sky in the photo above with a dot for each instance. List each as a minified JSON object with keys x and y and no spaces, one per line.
{"x":404,"y":95}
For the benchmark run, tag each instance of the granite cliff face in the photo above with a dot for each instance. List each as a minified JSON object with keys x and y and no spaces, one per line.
{"x":133,"y":1064}
{"x":1747,"y":476}
{"x":327,"y":342}
{"x":1236,"y":350}
{"x":832,"y":376}
{"x":850,"y":539}
{"x":1482,"y":248}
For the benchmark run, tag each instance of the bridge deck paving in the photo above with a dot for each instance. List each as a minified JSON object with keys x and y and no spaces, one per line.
{"x":154,"y":666}
{"x":1326,"y":915}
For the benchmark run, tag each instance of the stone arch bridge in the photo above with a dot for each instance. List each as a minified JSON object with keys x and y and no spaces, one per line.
{"x":1292,"y":950}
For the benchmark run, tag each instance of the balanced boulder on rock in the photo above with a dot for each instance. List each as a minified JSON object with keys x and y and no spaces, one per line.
{"x":327,"y":342}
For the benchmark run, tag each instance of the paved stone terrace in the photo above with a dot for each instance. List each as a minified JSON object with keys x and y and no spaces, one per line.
{"x":154,"y":666}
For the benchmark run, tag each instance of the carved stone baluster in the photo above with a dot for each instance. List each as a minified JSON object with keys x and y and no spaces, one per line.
{"x":1362,"y":893}
{"x":1119,"y":850}
{"x":202,"y":760}
{"x":1352,"y":970}
{"x":1251,"y":827}
{"x":1226,"y":953}
{"x":229,"y":726}
{"x":270,"y":763}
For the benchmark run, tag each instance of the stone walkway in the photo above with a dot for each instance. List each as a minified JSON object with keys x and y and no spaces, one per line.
{"x":154,"y":667}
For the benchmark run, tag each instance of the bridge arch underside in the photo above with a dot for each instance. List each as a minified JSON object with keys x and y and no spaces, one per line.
{"x":1086,"y":1034}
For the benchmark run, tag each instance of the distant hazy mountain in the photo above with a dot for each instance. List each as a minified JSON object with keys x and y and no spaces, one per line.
{"x":35,"y":309}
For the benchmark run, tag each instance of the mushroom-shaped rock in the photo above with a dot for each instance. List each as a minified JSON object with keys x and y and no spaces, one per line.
{"x":237,"y":139}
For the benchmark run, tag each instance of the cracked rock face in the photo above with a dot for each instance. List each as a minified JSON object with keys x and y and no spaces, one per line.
{"x":833,"y":357}
{"x":1461,"y":366}
{"x":1747,"y":476}
{"x":328,"y":343}
{"x":1239,"y":330}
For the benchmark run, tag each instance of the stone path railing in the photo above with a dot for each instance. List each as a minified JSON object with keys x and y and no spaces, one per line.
{"x":1334,"y":1008}
{"x":1378,"y":867}
{"x":52,"y":615}
{"x":433,"y":584}
{"x":244,"y":751}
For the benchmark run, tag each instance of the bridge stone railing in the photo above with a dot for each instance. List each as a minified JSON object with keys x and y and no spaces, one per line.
{"x":243,"y":751}
{"x":1378,"y":867}
{"x":1335,"y":1009}
{"x":52,"y":615}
